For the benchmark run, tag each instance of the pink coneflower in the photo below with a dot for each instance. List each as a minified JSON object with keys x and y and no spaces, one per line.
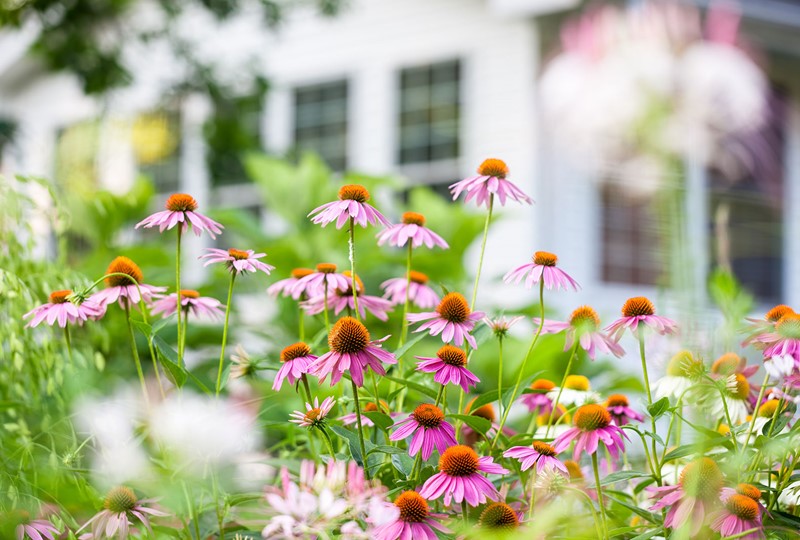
{"x":452,"y":319}
{"x":544,"y":268}
{"x":784,"y":340}
{"x":243,"y":365}
{"x":459,"y":477}
{"x":739,"y":514}
{"x":295,"y":361}
{"x":540,"y":455}
{"x":538,"y":402}
{"x":692,"y":497}
{"x":639,"y":312}
{"x":315,"y":414}
{"x":191,"y":302}
{"x":286,"y":287}
{"x":60,"y":309}
{"x":36,"y":529}
{"x":121,"y":289}
{"x":620,"y":410}
{"x":121,"y":512}
{"x":470,"y":436}
{"x":181,"y":209}
{"x":352,"y":203}
{"x":429,"y":428}
{"x":499,"y":517}
{"x":419,"y":292}
{"x":414,"y":520}
{"x":412,"y":228}
{"x":491,"y":180}
{"x":352,"y":351}
{"x":341,"y":299}
{"x":592,"y":426}
{"x":583,"y":325}
{"x":449,"y":366}
{"x":325,"y":274}
{"x":767,"y":324}
{"x":238,"y":261}
{"x":369,"y":406}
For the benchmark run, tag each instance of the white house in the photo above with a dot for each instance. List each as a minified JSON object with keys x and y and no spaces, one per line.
{"x":428,"y":89}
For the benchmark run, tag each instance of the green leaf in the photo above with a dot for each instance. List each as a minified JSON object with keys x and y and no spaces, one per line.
{"x":143,"y":327}
{"x":355,"y":447}
{"x":384,"y":449}
{"x":383,"y":421}
{"x":168,"y":359}
{"x":403,"y":463}
{"x":410,"y":343}
{"x":621,"y":476}
{"x":659,"y":407}
{"x":478,"y":423}
{"x":430,"y":392}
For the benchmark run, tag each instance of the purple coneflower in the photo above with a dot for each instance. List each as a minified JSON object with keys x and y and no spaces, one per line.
{"x":540,"y":455}
{"x":419,"y":292}
{"x":592,"y":426}
{"x":491,"y":181}
{"x":692,"y":497}
{"x":315,"y":414}
{"x":453,"y":319}
{"x":352,"y":203}
{"x":784,"y":340}
{"x":499,"y":517}
{"x":122,"y":289}
{"x":325,"y":274}
{"x":341,"y":299}
{"x":449,"y":366}
{"x":35,"y":529}
{"x":619,"y":408}
{"x":286,"y":287}
{"x":543,"y":268}
{"x":740,"y":513}
{"x":238,"y":261}
{"x":351,"y":351}
{"x":119,"y":516}
{"x":459,"y":477}
{"x":639,"y":312}
{"x":295,"y":361}
{"x":414,"y":520}
{"x":412,"y":228}
{"x":767,"y":324}
{"x":429,"y":428}
{"x":583,"y":325}
{"x":538,"y":402}
{"x":181,"y":208}
{"x":191,"y":302}
{"x":60,"y":309}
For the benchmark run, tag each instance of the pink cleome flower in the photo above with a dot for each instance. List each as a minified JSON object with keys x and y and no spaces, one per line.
{"x":182,"y":208}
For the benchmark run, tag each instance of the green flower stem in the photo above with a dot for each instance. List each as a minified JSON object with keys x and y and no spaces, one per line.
{"x":439,"y":395}
{"x":325,"y":310}
{"x":375,"y":391}
{"x":178,"y":292}
{"x":725,"y":409}
{"x":500,"y":376}
{"x":533,"y":494}
{"x":225,"y":333}
{"x":589,"y":500}
{"x":69,"y":343}
{"x":521,"y":372}
{"x":416,"y":469}
{"x":193,"y":514}
{"x":306,"y":386}
{"x":360,"y":427}
{"x":136,"y":355}
{"x":599,"y":494}
{"x":464,"y":511}
{"x":483,"y":251}
{"x":352,"y":254}
{"x":640,"y":336}
{"x":755,"y":412}
{"x":329,"y":444}
{"x":404,"y":320}
{"x":561,"y":386}
{"x":301,"y":324}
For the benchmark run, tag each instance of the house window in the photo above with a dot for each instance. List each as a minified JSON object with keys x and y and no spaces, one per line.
{"x":320,"y":121}
{"x":233,"y":130}
{"x":429,"y":113}
{"x":631,"y":241}
{"x":156,"y":144}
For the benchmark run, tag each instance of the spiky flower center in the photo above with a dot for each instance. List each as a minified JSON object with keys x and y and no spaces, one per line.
{"x":354,"y":192}
{"x":617,"y":400}
{"x":181,"y":202}
{"x":296,"y":350}
{"x":742,"y":507}
{"x":702,"y":479}
{"x":238,"y":254}
{"x":326,"y":268}
{"x":727,"y":364}
{"x":749,"y":490}
{"x":413,"y":218}
{"x":681,"y":365}
{"x":638,"y":305}
{"x":741,"y":388}
{"x":371,"y":407}
{"x":314,"y":416}
{"x":454,"y":308}
{"x":348,"y":336}
{"x":59,"y":297}
{"x":413,"y":508}
{"x":577,"y":382}
{"x":544,"y":448}
{"x":775,"y":314}
{"x":543,"y":384}
{"x":123,"y":265}
{"x":120,"y":499}
{"x":789,"y":326}
{"x":298,"y":273}
{"x":452,"y":356}
{"x":592,"y":417}
{"x":459,"y":460}
{"x":585,"y":318}
{"x":428,"y":416}
{"x":499,"y":515}
{"x":545,"y":258}
{"x":574,"y":470}
{"x":418,"y":277}
{"x":189,"y":293}
{"x":493,"y":167}
{"x":768,"y":408}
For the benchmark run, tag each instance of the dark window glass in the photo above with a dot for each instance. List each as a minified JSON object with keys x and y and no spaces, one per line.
{"x":320,"y":122}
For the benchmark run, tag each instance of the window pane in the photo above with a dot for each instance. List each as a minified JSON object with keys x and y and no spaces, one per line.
{"x":320,"y":121}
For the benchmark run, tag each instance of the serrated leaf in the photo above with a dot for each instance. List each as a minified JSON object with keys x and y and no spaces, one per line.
{"x":478,"y":423}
